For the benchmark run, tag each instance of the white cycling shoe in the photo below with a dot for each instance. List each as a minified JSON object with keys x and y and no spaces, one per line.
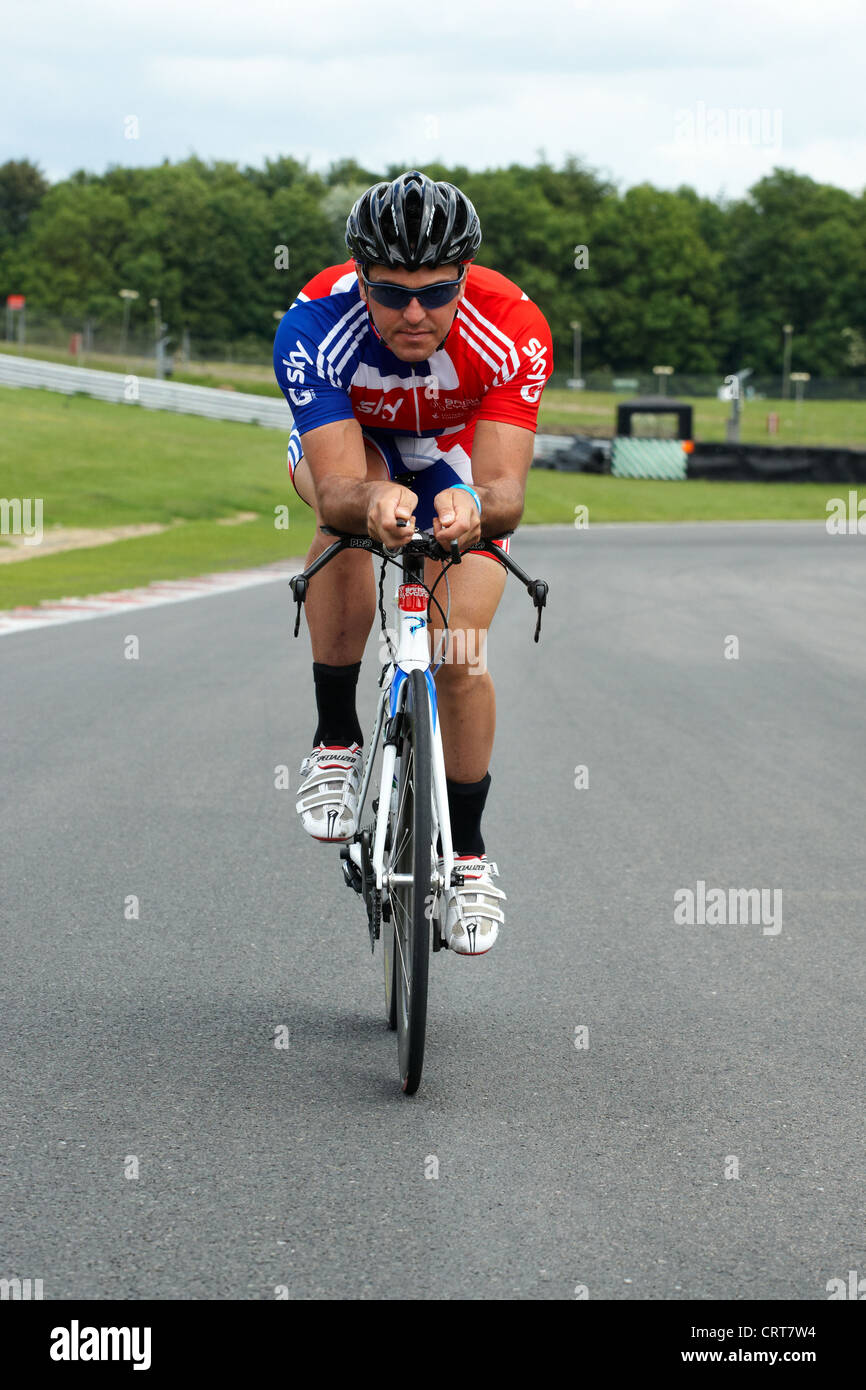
{"x":470,"y":915}
{"x":328,"y":794}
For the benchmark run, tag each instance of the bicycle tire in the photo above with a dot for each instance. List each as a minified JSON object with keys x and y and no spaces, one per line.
{"x":412,"y":855}
{"x":390,"y":972}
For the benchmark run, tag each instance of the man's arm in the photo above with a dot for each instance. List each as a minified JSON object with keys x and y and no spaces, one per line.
{"x":501,"y":460}
{"x":338,"y":464}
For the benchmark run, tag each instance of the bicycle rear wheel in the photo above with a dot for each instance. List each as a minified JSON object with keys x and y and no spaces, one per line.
{"x":411,"y":869}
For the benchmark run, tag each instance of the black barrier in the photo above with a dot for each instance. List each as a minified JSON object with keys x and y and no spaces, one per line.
{"x":734,"y":463}
{"x":654,"y":405}
{"x":751,"y":463}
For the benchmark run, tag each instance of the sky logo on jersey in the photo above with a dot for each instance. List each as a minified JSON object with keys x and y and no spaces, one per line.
{"x":295,"y":364}
{"x":387,"y":410}
{"x":538,"y":352}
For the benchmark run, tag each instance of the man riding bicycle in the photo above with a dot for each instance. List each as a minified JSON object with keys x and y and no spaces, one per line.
{"x":414,"y":379}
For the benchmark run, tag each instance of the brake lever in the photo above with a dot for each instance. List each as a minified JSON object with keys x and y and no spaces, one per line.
{"x":538,"y":590}
{"x":298,"y":585}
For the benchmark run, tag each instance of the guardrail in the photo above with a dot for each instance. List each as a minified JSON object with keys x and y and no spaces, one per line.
{"x":210,"y":401}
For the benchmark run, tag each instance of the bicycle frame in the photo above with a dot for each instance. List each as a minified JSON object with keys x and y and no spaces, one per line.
{"x":411,"y":654}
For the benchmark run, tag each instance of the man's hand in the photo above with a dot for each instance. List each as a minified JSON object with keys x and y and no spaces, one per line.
{"x":388,"y":502}
{"x":456,"y":518}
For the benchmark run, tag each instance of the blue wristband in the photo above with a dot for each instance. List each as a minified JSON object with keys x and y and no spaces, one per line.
{"x":472,"y":493}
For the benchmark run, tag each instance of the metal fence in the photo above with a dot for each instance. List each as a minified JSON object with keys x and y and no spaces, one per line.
{"x":210,"y":401}
{"x":686,"y":384}
{"x":77,"y":336}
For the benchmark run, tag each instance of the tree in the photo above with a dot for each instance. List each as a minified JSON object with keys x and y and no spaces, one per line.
{"x":22,"y":188}
{"x":703,"y":284}
{"x":797,"y":254}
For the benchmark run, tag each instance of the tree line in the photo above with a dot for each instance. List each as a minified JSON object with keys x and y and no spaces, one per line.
{"x":652,"y":276}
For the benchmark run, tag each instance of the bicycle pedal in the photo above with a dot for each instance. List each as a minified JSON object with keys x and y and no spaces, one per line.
{"x":351,"y":872}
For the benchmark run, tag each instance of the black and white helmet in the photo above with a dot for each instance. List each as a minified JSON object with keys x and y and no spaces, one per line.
{"x":413,"y":222}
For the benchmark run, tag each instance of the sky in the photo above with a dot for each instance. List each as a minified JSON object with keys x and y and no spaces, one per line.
{"x":714,"y":95}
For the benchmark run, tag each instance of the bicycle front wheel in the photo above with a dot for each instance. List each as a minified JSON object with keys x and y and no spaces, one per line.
{"x":411,"y":869}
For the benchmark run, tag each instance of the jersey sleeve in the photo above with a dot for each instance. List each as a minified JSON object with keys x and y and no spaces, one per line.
{"x":514,"y":396}
{"x":310,"y":387}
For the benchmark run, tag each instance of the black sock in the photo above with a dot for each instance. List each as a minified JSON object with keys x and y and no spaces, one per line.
{"x":466,"y":806}
{"x":335,"y":703}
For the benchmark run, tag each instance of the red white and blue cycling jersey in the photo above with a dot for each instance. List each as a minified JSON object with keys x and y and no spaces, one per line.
{"x":332,"y":365}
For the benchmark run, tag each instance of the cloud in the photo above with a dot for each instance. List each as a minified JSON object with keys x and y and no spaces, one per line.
{"x":483,"y":83}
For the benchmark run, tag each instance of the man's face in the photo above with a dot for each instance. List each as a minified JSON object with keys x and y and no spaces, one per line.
{"x":412,"y":333}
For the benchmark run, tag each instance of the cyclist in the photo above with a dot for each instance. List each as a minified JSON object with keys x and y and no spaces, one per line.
{"x":414,"y":378}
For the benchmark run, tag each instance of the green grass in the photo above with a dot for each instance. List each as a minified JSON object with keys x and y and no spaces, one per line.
{"x":95,"y":464}
{"x":198,"y":547}
{"x":552,"y":497}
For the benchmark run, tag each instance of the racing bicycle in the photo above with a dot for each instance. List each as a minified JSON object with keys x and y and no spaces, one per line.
{"x":392,"y":860}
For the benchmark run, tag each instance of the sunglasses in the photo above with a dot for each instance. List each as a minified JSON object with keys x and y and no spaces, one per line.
{"x":399,"y":296}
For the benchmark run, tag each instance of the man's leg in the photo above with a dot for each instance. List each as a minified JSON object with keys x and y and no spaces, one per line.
{"x":341,"y":601}
{"x":340,"y":606}
{"x":464,"y":686}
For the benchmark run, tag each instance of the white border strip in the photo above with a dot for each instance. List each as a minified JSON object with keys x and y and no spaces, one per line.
{"x":161,"y":591}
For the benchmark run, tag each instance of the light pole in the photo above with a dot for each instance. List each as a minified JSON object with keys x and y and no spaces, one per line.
{"x":157,"y":339}
{"x":799,"y":379}
{"x":575,"y":328}
{"x":127,"y":296}
{"x":787,"y":330}
{"x":732,"y":424}
{"x":663,"y":373}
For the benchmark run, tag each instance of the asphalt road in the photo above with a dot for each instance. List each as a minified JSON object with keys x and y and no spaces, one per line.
{"x":304,"y":1166}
